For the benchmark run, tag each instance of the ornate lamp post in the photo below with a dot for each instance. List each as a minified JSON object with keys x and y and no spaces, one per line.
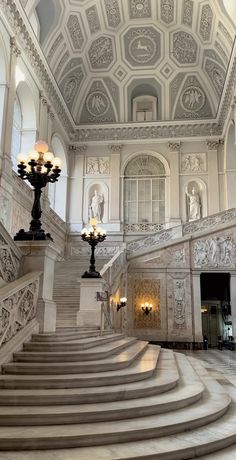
{"x":93,"y":236}
{"x":38,"y":167}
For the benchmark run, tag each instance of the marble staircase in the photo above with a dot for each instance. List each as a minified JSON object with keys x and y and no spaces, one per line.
{"x":109,"y":397}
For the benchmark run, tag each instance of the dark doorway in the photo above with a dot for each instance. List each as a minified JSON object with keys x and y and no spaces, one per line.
{"x":215,"y":307}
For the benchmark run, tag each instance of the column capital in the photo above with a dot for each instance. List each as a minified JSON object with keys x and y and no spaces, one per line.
{"x":43,"y":99}
{"x":116,"y":148}
{"x":212,"y":145}
{"x":174,"y":146}
{"x":81,"y":149}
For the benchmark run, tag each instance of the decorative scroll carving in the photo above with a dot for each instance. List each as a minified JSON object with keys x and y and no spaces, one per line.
{"x":75,"y":31}
{"x":219,"y":251}
{"x":167,"y":11}
{"x":212,"y":145}
{"x":179,"y":302}
{"x":179,"y":256}
{"x":151,"y":241}
{"x":116,"y":148}
{"x":104,"y":251}
{"x":9,"y":262}
{"x":193,"y":162}
{"x":139,"y":9}
{"x":138,"y":228}
{"x":17,"y":310}
{"x":112,"y":12}
{"x":188,"y":12}
{"x":146,"y":290}
{"x":206,"y":22}
{"x":174,"y":146}
{"x":93,"y":19}
{"x":98,"y":165}
{"x":209,"y":222}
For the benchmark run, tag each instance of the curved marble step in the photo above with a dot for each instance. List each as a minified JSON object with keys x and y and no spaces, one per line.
{"x":141,"y":368}
{"x":99,"y":353}
{"x":121,"y":360}
{"x":189,"y":390}
{"x":64,"y":336}
{"x":72,"y":345}
{"x":163,"y":379}
{"x":210,"y":408}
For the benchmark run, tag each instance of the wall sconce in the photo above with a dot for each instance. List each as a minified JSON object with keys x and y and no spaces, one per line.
{"x":122,"y":303}
{"x":146,"y":307}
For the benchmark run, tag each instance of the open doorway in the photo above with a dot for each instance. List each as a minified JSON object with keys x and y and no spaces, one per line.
{"x":215,"y":307}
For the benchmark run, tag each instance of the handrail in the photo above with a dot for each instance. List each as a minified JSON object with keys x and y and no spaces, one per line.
{"x":112,"y":260}
{"x":18,"y":302}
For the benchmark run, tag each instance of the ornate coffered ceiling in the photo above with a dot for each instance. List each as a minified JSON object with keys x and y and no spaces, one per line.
{"x":105,"y":52}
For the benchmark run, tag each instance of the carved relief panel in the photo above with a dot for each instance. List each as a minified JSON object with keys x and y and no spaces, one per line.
{"x":98,"y":165}
{"x":193,"y":163}
{"x":216,"y":251}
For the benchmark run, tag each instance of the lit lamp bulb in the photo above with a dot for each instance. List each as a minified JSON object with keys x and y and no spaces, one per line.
{"x":57,"y":162}
{"x":41,"y":146}
{"x":84,"y":231}
{"x":48,"y":157}
{"x":93,"y":222}
{"x":22,"y":158}
{"x":33,"y":155}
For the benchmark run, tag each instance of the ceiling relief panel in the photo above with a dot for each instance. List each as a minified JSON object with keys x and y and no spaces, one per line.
{"x":167,"y":11}
{"x":187,"y":13}
{"x":140,"y":9}
{"x":70,"y":86}
{"x":193,"y":102}
{"x":216,"y":75}
{"x":142,"y":46}
{"x":57,"y":42}
{"x":206,"y":23}
{"x":75,"y":31}
{"x":112,"y":13}
{"x":184,"y":48}
{"x":97,"y":107}
{"x":101,"y":53}
{"x":93,"y":19}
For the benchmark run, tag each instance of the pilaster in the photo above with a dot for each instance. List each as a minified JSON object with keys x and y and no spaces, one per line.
{"x":213,"y":178}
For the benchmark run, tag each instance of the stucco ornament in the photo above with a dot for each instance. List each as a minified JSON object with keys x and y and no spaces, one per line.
{"x":98,"y":165}
{"x":219,"y":251}
{"x":179,"y":300}
{"x":192,"y":99}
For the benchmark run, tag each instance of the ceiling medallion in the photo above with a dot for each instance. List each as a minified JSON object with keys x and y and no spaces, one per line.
{"x":192,"y":99}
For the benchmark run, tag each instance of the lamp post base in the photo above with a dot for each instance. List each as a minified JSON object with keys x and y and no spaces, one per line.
{"x":38,"y":235}
{"x":91,"y":274}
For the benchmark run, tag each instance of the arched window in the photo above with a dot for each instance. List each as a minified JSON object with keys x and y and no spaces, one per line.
{"x":16,"y":132}
{"x":57,"y":192}
{"x":144,"y":108}
{"x":144,"y":190}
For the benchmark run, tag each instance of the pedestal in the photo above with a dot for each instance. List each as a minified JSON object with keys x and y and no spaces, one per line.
{"x":89,"y":314}
{"x":41,"y":256}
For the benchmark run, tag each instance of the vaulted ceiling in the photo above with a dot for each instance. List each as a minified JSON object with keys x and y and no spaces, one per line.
{"x":105,"y":52}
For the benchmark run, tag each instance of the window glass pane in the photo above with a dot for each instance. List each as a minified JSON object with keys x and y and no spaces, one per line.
{"x":162,"y":189}
{"x":144,"y":212}
{"x":155,"y":189}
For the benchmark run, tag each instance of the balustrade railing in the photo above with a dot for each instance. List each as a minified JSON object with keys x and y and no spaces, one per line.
{"x":10,"y":257}
{"x":113,"y":269}
{"x":18,"y":302}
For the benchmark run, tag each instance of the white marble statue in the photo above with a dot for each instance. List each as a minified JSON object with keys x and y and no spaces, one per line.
{"x":96,"y":206}
{"x":194,"y":205}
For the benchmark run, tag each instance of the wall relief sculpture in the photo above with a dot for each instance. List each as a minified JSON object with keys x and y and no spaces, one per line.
{"x":219,"y":251}
{"x":98,"y":165}
{"x":179,"y":302}
{"x":193,"y":162}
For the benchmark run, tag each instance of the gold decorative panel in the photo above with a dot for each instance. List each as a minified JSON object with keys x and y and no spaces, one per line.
{"x":146,"y":290}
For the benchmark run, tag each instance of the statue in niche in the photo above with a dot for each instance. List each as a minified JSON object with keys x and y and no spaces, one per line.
{"x":194,"y":205}
{"x":96,"y":207}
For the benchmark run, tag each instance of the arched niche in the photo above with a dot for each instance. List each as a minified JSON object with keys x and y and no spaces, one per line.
{"x":147,"y":89}
{"x":194,"y":195}
{"x":57,"y":191}
{"x":230,"y":166}
{"x":99,"y":189}
{"x":24,"y":122}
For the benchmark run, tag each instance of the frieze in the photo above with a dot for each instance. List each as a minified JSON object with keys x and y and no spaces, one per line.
{"x":218,"y":251}
{"x":167,"y":11}
{"x":112,"y":12}
{"x":98,"y":165}
{"x":193,"y":163}
{"x":151,"y":241}
{"x":210,"y":222}
{"x":139,"y":9}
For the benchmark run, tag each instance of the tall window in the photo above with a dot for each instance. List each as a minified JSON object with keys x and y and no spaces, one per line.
{"x":144,"y":108}
{"x":144,"y":190}
{"x":16,"y":132}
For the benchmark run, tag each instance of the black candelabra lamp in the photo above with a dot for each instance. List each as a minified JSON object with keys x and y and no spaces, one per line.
{"x":122,"y":303}
{"x":93,"y":236}
{"x":38,"y":167}
{"x":146,"y":307}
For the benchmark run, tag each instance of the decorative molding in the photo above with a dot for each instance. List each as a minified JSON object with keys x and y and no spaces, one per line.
{"x":14,"y":49}
{"x":145,"y":227}
{"x":208,"y":223}
{"x":116,"y":148}
{"x":212,"y":145}
{"x":174,"y":146}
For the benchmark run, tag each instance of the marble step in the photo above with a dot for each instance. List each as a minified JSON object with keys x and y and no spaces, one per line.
{"x":184,"y":395}
{"x":67,"y":335}
{"x":164,"y":378}
{"x":100,"y":352}
{"x":72,"y":345}
{"x":121,"y":360}
{"x":141,"y":368}
{"x":211,"y":407}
